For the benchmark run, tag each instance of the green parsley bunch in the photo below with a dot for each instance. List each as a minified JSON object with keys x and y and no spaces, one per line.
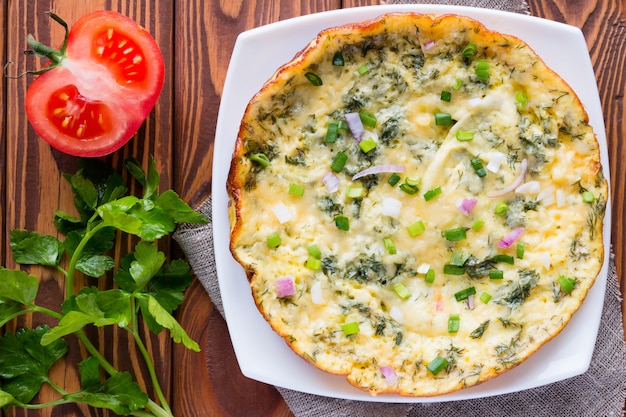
{"x":147,"y":287}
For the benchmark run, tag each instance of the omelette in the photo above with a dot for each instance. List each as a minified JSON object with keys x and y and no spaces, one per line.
{"x":418,"y":203}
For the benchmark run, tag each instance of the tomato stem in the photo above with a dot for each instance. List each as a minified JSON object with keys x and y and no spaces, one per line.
{"x":39,"y":49}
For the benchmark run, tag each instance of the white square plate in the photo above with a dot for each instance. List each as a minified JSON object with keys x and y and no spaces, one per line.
{"x":261,"y":353}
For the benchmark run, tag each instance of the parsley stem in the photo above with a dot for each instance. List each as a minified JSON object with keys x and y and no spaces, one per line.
{"x":71,"y":269}
{"x":104,"y":363}
{"x":146,"y":356}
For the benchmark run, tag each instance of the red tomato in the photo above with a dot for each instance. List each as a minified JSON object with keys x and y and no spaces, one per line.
{"x":97,"y":97}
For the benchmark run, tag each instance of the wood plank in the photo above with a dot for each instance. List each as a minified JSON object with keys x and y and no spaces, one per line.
{"x":35,"y":187}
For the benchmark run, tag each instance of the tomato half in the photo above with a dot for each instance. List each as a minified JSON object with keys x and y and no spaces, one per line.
{"x":97,"y":96}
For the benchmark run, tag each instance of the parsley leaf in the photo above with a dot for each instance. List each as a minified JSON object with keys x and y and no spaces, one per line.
{"x":25,"y":362}
{"x":165,"y":319}
{"x":17,"y":285}
{"x":30,"y":248}
{"x":118,"y":393}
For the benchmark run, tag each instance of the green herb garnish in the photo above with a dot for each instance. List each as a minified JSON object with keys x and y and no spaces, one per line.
{"x":148,"y":289}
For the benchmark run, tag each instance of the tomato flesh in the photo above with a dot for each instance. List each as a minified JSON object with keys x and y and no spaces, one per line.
{"x":121,"y":55}
{"x":77,"y":117}
{"x":95,"y":99}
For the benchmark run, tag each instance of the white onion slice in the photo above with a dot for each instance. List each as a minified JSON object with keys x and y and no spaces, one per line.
{"x":466,"y":205}
{"x":331,"y":181}
{"x":285,"y":287}
{"x":316,"y":293}
{"x":378,"y":169}
{"x":514,"y":184}
{"x":423,"y":268}
{"x":390,"y":375}
{"x":396,"y":314}
{"x":356,"y":125}
{"x":510,"y":238}
{"x":494,"y":163}
{"x":545,"y":259}
{"x":391,"y":207}
{"x":282,"y":213}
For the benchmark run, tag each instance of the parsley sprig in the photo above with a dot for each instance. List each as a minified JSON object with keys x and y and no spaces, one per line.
{"x":147,"y":287}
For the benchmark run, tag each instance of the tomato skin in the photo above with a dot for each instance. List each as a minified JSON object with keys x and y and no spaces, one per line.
{"x":96,"y":99}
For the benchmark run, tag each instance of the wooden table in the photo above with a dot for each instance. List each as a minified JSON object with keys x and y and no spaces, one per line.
{"x":196,"y":38}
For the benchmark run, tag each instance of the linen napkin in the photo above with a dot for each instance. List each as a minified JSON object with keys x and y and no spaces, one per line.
{"x":601,"y":391}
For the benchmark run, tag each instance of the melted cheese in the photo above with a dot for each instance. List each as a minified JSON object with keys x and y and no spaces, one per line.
{"x":354,"y":279}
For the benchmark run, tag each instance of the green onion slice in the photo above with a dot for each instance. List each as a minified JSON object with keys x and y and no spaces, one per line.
{"x":430,"y":194}
{"x":437,"y":365}
{"x":464,"y":136}
{"x":342,"y":223}
{"x":588,"y":197}
{"x":430,"y":276}
{"x":313,"y":78}
{"x":482,"y":70}
{"x":443,"y":119}
{"x":469,"y":50}
{"x":459,"y":258}
{"x":507,"y":259}
{"x":368,"y":119}
{"x":520,"y":250}
{"x":456,"y":234}
{"x":331,"y":132}
{"x":314,"y":251}
{"x":521,"y":99}
{"x":260,"y":158}
{"x":367,"y":145}
{"x":416,"y":228}
{"x":401,"y":290}
{"x":567,"y":284}
{"x":354,"y":192}
{"x":463,"y":294}
{"x":363,"y":69}
{"x":391,"y":248}
{"x":350,"y":328}
{"x":393,"y":179}
{"x":273,"y":240}
{"x":296,"y":189}
{"x":477,"y":164}
{"x":501,"y":209}
{"x":339,"y":161}
{"x":450,"y":269}
{"x":338,"y":59}
{"x":478,"y":224}
{"x":485,"y":297}
{"x":496,"y":274}
{"x":454,"y":321}
{"x":445,"y":95}
{"x":313,"y":263}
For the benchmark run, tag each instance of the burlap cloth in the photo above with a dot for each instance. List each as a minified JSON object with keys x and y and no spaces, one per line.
{"x":601,"y":391}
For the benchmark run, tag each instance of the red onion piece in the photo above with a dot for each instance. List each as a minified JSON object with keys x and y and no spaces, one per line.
{"x":510,"y":238}
{"x":470,"y":302}
{"x":356,"y":125}
{"x":331,"y":181}
{"x":390,"y":375}
{"x":285,"y":287}
{"x":378,"y":169}
{"x":515,"y":183}
{"x":466,"y":205}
